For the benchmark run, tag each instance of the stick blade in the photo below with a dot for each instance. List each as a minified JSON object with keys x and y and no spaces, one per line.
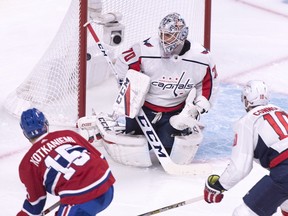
{"x":191,"y":169}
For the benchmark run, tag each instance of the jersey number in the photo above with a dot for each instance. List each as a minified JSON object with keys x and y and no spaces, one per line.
{"x":75,"y":157}
{"x":131,"y":54}
{"x":280,"y":126}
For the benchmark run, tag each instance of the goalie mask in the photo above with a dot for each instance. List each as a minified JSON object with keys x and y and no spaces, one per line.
{"x":33,"y":123}
{"x":255,"y":93}
{"x":172,"y":32}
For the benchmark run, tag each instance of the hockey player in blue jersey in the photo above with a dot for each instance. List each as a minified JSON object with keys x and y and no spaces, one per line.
{"x":260,"y":136}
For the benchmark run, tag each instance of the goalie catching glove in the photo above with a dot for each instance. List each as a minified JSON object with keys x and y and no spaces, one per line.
{"x":188,"y":117}
{"x":213,"y":192}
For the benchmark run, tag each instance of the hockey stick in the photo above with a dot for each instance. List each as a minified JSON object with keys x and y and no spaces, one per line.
{"x":51,"y":208}
{"x":101,"y":47}
{"x":168,"y":165}
{"x":176,"y":205}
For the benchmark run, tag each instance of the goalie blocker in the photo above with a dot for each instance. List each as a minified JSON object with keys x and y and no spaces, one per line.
{"x":133,"y":149}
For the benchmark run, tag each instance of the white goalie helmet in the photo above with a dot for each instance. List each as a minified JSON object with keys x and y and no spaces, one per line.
{"x":172,"y":32}
{"x":255,"y":93}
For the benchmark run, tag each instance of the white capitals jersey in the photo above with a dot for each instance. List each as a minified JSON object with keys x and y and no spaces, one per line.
{"x":171,"y":78}
{"x":260,"y":136}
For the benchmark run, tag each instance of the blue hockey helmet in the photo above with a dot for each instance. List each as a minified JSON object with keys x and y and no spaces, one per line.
{"x":33,"y":123}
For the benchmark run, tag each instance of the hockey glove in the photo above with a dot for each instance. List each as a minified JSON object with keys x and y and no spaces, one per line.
{"x":88,"y":128}
{"x":213,"y":192}
{"x":187,"y":118}
{"x":190,"y":115}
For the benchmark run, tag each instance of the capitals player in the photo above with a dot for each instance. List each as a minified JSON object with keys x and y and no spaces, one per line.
{"x":260,"y":135}
{"x":177,"y":67}
{"x":64,"y":164}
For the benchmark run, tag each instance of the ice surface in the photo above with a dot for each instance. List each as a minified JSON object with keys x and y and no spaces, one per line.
{"x":248,"y":42}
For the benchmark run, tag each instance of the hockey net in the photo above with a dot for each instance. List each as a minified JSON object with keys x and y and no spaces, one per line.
{"x":57,"y":86}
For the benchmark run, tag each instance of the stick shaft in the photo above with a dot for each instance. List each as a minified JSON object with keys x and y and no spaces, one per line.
{"x":51,"y":208}
{"x":101,"y":47}
{"x":176,"y":205}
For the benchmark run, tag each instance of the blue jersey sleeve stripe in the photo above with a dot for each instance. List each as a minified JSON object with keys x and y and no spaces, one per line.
{"x":34,"y":208}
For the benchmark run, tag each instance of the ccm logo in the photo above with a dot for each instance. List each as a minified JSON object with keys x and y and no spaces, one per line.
{"x":123,"y":90}
{"x":102,"y":49}
{"x":151,"y":135}
{"x":104,"y":124}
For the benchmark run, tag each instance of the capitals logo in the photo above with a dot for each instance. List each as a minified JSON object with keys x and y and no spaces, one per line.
{"x":177,"y":84}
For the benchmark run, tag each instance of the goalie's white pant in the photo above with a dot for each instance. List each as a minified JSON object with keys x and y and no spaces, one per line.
{"x":185,"y":147}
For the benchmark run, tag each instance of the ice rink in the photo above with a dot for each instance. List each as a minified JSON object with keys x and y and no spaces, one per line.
{"x":249,"y":41}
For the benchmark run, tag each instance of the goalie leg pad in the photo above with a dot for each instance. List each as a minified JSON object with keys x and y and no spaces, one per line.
{"x":185,"y":147}
{"x":131,"y":150}
{"x":136,"y":154}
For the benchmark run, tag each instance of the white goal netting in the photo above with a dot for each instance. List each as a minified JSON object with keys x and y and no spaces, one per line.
{"x":141,"y":18}
{"x":53,"y":84}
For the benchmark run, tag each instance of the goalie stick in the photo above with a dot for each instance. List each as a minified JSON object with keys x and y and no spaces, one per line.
{"x":176,"y":205}
{"x":166,"y":162}
{"x":162,"y":155}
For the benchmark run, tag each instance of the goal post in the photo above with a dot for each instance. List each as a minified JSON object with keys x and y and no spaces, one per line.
{"x":207,"y":24}
{"x":83,"y":14}
{"x":57,"y":84}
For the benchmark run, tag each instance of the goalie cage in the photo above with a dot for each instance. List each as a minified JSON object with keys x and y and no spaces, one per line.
{"x":57,"y":84}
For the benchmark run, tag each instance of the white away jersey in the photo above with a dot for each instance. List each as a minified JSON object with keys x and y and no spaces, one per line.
{"x":261,"y":135}
{"x":171,"y":78}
